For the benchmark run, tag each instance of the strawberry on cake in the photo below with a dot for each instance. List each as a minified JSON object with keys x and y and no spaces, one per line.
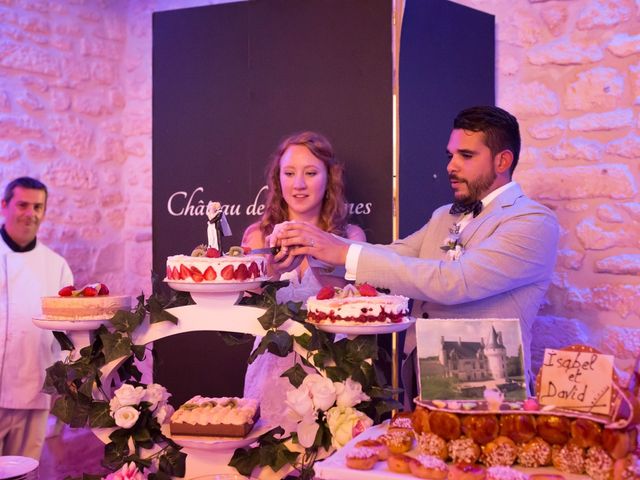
{"x":356,"y":305}
{"x":208,"y":265}
{"x":92,"y":302}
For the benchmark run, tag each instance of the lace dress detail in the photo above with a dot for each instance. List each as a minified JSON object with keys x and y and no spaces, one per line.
{"x":263,"y":381}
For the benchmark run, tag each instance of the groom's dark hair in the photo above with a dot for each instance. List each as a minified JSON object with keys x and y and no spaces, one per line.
{"x":500,"y":128}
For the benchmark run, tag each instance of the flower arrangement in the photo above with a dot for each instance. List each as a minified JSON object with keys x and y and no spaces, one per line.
{"x":345,"y":394}
{"x":451,"y":244}
{"x":135,"y":412}
{"x":128,"y":471}
{"x":129,"y":402}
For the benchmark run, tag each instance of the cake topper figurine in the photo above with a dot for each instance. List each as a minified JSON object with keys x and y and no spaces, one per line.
{"x":217,"y":227}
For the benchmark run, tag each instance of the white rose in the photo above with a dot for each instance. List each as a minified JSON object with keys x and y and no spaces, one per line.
{"x":129,"y":395}
{"x":163,"y":413}
{"x":322,"y":390}
{"x":126,"y":417}
{"x":114,"y":405}
{"x":307,"y":430}
{"x":349,"y":393}
{"x":299,"y":401}
{"x":344,"y":423}
{"x":156,"y":395}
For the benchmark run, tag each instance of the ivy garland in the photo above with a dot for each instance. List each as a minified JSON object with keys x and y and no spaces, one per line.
{"x":359,"y":359}
{"x":72,"y":381}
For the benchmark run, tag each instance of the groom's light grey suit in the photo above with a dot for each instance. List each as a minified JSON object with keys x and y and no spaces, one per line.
{"x":509,"y":252}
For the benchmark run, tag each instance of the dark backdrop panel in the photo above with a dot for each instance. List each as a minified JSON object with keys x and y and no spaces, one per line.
{"x":200,"y":113}
{"x":447,"y":63}
{"x":326,"y":65}
{"x":229,"y":82}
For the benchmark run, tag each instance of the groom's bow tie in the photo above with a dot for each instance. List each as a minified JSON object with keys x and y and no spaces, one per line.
{"x":457,"y":208}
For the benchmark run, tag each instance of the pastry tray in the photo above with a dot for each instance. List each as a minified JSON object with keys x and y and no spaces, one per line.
{"x":334,"y":467}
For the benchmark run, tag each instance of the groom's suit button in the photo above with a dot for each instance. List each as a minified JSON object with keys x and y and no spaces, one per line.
{"x":425,"y":315}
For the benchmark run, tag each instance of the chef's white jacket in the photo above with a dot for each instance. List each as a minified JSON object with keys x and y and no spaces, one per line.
{"x":26,"y":350}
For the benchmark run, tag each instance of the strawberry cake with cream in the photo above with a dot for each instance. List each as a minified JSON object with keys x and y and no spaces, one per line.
{"x":92,"y":302}
{"x":208,"y":265}
{"x":356,"y":305}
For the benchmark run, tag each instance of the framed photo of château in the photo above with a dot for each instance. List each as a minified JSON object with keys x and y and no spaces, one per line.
{"x":459,"y":358}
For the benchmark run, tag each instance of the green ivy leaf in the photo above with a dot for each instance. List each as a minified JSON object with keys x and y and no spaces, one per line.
{"x":173,"y":462}
{"x":56,"y":379}
{"x":80,"y":413}
{"x":232,"y":338}
{"x":158,"y":314}
{"x":63,"y":408}
{"x":125,"y":321}
{"x":361,"y":348}
{"x":280,"y":342}
{"x":295,"y":375}
{"x":99,"y":416}
{"x":129,"y":370}
{"x":114,"y":455}
{"x":277,"y":456}
{"x":64,"y":341}
{"x":275,"y":316}
{"x":116,"y":346}
{"x":139,"y":351}
{"x":86,"y":390}
{"x":245,"y":460}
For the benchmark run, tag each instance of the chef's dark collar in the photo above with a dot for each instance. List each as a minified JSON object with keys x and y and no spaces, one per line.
{"x":13,"y":245}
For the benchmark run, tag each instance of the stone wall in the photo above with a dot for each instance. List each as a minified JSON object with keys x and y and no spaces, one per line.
{"x":570,"y":71}
{"x":75,"y":110}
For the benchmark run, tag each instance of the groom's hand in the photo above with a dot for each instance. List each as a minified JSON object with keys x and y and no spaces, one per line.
{"x":305,"y":239}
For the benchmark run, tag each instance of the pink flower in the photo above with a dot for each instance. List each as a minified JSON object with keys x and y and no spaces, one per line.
{"x":129,"y":471}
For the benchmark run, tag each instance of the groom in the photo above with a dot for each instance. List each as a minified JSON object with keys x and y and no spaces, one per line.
{"x":499,"y":245}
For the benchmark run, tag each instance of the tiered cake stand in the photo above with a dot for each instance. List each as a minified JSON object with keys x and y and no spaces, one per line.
{"x":216,"y":309}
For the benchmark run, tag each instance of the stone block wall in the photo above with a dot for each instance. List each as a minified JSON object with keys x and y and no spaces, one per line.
{"x":75,"y":111}
{"x":570,"y":71}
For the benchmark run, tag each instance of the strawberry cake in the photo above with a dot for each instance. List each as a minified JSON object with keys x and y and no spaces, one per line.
{"x":208,"y":265}
{"x":359,"y":304}
{"x":92,"y":302}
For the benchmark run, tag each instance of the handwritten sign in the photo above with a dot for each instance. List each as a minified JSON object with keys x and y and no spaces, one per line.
{"x":578,"y":381}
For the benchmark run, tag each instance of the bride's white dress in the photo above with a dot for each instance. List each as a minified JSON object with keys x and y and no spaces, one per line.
{"x":263,"y":381}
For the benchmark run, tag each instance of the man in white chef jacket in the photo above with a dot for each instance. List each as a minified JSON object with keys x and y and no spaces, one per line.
{"x":29,"y":270}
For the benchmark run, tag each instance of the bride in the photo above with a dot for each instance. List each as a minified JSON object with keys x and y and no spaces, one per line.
{"x":305,"y":184}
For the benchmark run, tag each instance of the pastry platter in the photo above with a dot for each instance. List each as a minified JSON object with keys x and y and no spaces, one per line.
{"x":334,"y":468}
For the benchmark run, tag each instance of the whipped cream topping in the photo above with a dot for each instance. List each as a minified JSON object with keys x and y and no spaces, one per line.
{"x":223,"y":410}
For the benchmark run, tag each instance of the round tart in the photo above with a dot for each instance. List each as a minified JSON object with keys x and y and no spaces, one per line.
{"x":445,"y":424}
{"x":380,"y":448}
{"x":535,"y":453}
{"x":399,"y":463}
{"x":466,"y":471}
{"x":481,"y":428}
{"x":464,"y":450}
{"x":501,"y":451}
{"x":432,"y":444}
{"x":568,"y":458}
{"x":361,"y":458}
{"x":427,"y":466}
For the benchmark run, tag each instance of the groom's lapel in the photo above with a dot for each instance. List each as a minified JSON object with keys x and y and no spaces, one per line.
{"x":496,"y":209}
